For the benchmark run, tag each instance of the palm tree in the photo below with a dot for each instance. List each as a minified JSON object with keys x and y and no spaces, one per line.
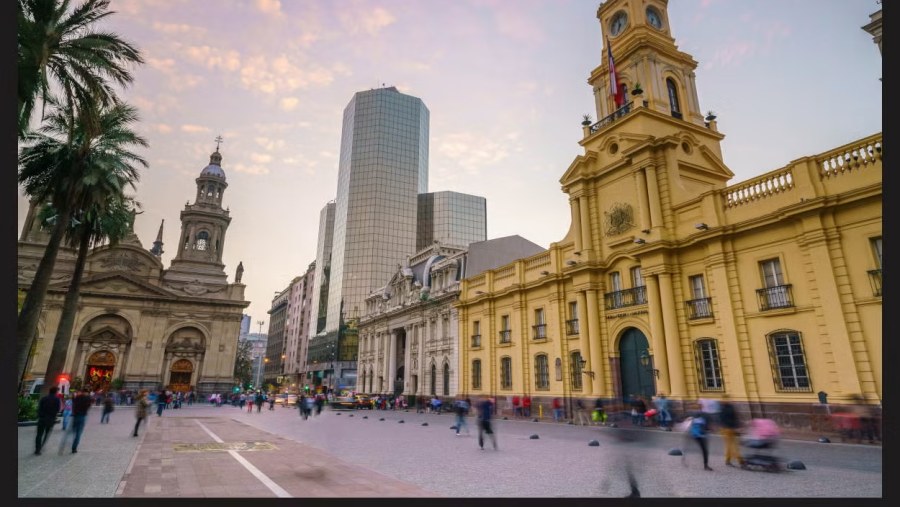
{"x":65,"y":162}
{"x":57,"y":42}
{"x":103,"y":221}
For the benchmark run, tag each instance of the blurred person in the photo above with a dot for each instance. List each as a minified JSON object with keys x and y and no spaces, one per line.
{"x":663,"y":411}
{"x":600,"y":413}
{"x":80,"y":406}
{"x":710,"y":409}
{"x":160,"y":403}
{"x":140,"y":411}
{"x":271,"y":401}
{"x":67,"y":412}
{"x":556,"y":405}
{"x":462,"y":410}
{"x":517,"y":406}
{"x":108,"y":407}
{"x":730,"y":428}
{"x":242,"y":400}
{"x":258,"y":400}
{"x":485,"y":409}
{"x":526,"y":406}
{"x":638,"y":407}
{"x":47,"y":410}
{"x":698,"y":431}
{"x":581,"y":413}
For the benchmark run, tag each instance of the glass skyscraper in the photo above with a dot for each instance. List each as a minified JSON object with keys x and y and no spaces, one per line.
{"x":383,"y":168}
{"x":451,"y":218}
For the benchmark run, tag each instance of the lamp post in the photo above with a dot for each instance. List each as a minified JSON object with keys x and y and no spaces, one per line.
{"x":647,"y":363}
{"x":259,"y":356}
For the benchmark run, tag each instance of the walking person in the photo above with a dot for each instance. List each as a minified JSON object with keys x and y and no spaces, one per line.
{"x":462,"y":410}
{"x":80,"y":406}
{"x":250,"y":398}
{"x":581,"y":412}
{"x":160,"y":403}
{"x":731,"y":424}
{"x":556,"y":404}
{"x":664,"y":414}
{"x":108,"y":407}
{"x":67,"y":412}
{"x":598,"y":415}
{"x":271,"y":401}
{"x":485,"y":408}
{"x":698,"y":431}
{"x":259,"y":401}
{"x":526,"y":406}
{"x":48,"y":408}
{"x":140,"y":412}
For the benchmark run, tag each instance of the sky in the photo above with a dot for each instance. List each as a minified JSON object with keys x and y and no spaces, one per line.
{"x":505,"y":82}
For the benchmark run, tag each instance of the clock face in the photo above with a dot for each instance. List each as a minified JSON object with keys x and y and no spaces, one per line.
{"x":654,"y":18}
{"x":618,"y":23}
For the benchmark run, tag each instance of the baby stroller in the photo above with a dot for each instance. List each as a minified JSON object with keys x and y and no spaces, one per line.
{"x":762,"y":437}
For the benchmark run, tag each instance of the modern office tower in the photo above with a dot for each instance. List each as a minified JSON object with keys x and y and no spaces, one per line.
{"x":451,"y":218}
{"x":323,"y":270}
{"x":383,"y":167}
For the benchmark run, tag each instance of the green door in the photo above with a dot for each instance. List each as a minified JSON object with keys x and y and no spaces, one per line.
{"x":636,"y":378}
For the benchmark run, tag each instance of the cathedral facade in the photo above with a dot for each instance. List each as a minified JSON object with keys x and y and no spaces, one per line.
{"x":140,"y":325}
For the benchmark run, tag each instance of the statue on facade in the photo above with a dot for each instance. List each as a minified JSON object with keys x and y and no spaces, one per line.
{"x":239,"y":273}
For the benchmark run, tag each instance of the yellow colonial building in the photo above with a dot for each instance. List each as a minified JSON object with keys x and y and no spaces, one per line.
{"x":672,"y":281}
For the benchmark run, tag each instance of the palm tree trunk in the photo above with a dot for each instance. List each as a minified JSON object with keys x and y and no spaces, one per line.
{"x":27,"y":323}
{"x":67,"y":321}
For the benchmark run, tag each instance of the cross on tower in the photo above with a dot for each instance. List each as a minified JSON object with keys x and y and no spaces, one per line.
{"x":218,"y":140}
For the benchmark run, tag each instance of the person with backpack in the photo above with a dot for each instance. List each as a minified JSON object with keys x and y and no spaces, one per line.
{"x":140,"y":413}
{"x":462,"y":410}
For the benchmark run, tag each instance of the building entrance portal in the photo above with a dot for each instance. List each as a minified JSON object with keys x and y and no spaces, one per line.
{"x":637,"y":379}
{"x":99,"y":372}
{"x":180,"y":376}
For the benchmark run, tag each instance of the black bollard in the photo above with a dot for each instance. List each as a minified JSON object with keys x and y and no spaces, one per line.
{"x":594,"y":443}
{"x":675,"y":452}
{"x":534,"y":437}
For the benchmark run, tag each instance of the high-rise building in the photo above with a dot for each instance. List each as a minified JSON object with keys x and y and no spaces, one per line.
{"x":323,"y":270}
{"x":451,"y":218}
{"x":245,"y":327}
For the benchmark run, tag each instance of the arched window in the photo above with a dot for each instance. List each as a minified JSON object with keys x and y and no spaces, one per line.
{"x":541,"y":372}
{"x":433,"y":379}
{"x":706,"y":354}
{"x":446,"y":380}
{"x":476,"y":374}
{"x":202,"y":240}
{"x":505,"y":373}
{"x":673,"y":97}
{"x":575,"y":359}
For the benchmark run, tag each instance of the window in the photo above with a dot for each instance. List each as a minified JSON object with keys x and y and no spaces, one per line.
{"x":202,"y":240}
{"x":615,"y":281}
{"x":707,"y":355}
{"x":433,"y":380}
{"x":789,"y":364}
{"x":476,"y":374}
{"x":541,"y":372}
{"x":505,"y":373}
{"x":673,"y":97}
{"x":876,"y":250}
{"x":558,"y":367}
{"x":575,"y":359}
{"x":700,"y":306}
{"x":540,"y":327}
{"x":572,"y":322}
{"x":875,"y":274}
{"x":637,"y":279}
{"x":446,"y":380}
{"x":504,"y":329}
{"x":775,"y":294}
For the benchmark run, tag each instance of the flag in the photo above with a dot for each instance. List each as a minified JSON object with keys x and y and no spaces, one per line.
{"x":614,"y":91}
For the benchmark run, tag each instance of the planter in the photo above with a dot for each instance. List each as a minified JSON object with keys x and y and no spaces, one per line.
{"x":637,"y":91}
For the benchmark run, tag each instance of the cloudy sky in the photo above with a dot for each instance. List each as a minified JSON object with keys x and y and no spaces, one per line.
{"x":505,"y":82}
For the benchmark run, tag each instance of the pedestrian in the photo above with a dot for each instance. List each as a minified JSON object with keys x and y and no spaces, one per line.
{"x":698,"y":431}
{"x":67,"y":412}
{"x":638,"y":407}
{"x":517,"y":406}
{"x":710,"y":409}
{"x":80,"y":406}
{"x":462,"y":410}
{"x":160,"y":403}
{"x":259,"y":401}
{"x":420,"y":404}
{"x":140,"y":412}
{"x":556,"y":404}
{"x":581,"y":412}
{"x":485,"y":408}
{"x":108,"y":407}
{"x":242,"y":401}
{"x":664,"y":414}
{"x":48,"y":409}
{"x":731,"y":424}
{"x":526,"y":406}
{"x":250,"y":398}
{"x":598,"y":415}
{"x":271,"y":401}
{"x":320,"y":402}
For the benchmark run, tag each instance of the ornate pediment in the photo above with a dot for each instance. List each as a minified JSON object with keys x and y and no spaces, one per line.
{"x":117,"y":284}
{"x":195,"y":287}
{"x":124,"y":258}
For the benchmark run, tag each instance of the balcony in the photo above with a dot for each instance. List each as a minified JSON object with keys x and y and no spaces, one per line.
{"x":572,"y":327}
{"x":618,"y":113}
{"x":476,"y":340}
{"x":772,"y":298}
{"x":699,"y":308}
{"x":539,"y":331}
{"x":628,"y":297}
{"x":504,"y":336}
{"x":875,"y":280}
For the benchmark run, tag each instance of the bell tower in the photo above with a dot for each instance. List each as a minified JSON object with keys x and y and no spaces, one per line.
{"x":203,"y":227}
{"x":638,"y":34}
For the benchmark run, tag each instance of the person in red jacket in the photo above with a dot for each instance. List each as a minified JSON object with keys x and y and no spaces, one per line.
{"x":517,"y":408}
{"x":526,"y":406}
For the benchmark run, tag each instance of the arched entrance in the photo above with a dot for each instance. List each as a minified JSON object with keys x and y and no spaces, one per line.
{"x":446,"y":380}
{"x":180,"y":376}
{"x":433,"y":379}
{"x":637,"y":379}
{"x":99,"y":371}
{"x":398,"y":386}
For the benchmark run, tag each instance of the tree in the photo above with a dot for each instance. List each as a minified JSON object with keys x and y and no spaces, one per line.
{"x":243,"y":363}
{"x":58,"y":47}
{"x":65,"y":162}
{"x":103,"y":221}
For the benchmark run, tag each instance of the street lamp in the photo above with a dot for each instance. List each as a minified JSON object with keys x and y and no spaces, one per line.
{"x":582,"y":362}
{"x":646,"y":363}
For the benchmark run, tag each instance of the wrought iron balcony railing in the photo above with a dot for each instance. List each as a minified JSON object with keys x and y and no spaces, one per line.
{"x":772,"y":298}
{"x":618,"y":113}
{"x":699,"y":308}
{"x":572,"y":327}
{"x":627,"y":297}
{"x":540,"y":331}
{"x":504,"y":336}
{"x":476,"y":340}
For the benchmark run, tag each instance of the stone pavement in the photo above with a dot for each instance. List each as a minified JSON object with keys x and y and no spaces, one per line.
{"x":176,"y":457}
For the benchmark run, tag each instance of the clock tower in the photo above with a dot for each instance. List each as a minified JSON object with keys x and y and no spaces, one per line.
{"x":645,"y":54}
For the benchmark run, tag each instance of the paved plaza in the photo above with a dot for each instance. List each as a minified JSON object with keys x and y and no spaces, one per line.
{"x":204,"y":451}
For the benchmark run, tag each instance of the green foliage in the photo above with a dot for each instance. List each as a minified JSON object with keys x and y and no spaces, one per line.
{"x":76,"y":383}
{"x":117,"y":383}
{"x":27,"y":409}
{"x":243,"y":364}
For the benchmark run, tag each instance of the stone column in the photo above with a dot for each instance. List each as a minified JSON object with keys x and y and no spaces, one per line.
{"x":392,"y":361}
{"x":673,"y":340}
{"x":658,"y":339}
{"x":595,"y":363}
{"x":640,"y":181}
{"x":653,"y":196}
{"x":585,"y":222}
{"x":407,"y":345}
{"x":375,"y":365}
{"x":576,"y":223}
